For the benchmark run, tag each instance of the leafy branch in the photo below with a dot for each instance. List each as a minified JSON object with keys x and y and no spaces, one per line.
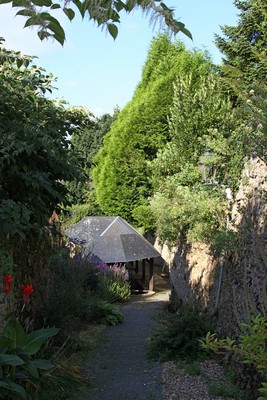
{"x":250,"y":345}
{"x":105,"y":13}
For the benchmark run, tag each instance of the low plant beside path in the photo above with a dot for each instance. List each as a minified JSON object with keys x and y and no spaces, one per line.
{"x":249,"y":347}
{"x":186,"y":361}
{"x":20,"y":369}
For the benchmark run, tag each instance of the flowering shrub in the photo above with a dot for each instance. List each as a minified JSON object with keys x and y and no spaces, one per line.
{"x":114,"y":282}
{"x":11,"y":302}
{"x":115,"y":271}
{"x":19,"y":369}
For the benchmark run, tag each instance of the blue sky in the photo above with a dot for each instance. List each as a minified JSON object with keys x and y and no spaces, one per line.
{"x":99,"y":73}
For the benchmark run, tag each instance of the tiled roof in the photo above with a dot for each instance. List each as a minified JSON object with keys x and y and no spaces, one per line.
{"x":111,"y":239}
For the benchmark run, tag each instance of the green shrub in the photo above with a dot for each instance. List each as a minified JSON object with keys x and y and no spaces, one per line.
{"x":250,"y":347}
{"x":75,"y":284}
{"x":77,"y":212}
{"x":144,"y":217}
{"x":102,"y":312}
{"x":20,"y":369}
{"x":222,"y":390}
{"x":114,"y":291}
{"x":197,"y":212}
{"x":179,"y":334}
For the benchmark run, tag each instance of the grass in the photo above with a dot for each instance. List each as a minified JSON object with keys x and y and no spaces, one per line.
{"x":226,"y":391}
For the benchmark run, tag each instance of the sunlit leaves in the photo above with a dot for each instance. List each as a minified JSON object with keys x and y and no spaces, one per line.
{"x":122,"y":176}
{"x":35,"y":153}
{"x":10,"y":57}
{"x":244,"y":46}
{"x":184,"y":210}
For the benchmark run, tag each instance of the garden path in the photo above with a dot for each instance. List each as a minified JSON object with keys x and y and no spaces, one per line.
{"x":121,"y":369}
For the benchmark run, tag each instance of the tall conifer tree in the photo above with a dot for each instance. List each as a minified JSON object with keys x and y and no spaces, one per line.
{"x":245,"y":46}
{"x":122,"y":176}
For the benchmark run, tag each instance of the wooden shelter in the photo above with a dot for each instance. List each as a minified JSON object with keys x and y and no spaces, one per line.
{"x":113,"y":240}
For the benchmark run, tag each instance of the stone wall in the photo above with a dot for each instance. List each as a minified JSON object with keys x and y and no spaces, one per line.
{"x":244,"y":280}
{"x":194,"y":271}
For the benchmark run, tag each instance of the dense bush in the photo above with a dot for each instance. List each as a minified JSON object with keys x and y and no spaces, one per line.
{"x":179,"y":333}
{"x":197,"y":212}
{"x":113,"y":286}
{"x":83,"y":293}
{"x":102,"y":312}
{"x":249,"y":347}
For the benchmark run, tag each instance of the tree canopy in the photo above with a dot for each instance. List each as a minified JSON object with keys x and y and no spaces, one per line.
{"x":244,"y":72}
{"x":122,"y":177}
{"x":201,"y":117}
{"x":106,"y":14}
{"x":85,"y":144}
{"x":244,"y":45}
{"x":35,"y":150}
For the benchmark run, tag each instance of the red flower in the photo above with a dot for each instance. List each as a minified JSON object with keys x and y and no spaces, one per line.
{"x":26,"y":292}
{"x":7,"y":283}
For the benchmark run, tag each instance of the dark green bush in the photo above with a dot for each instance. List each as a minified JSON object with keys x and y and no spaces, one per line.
{"x":179,"y":333}
{"x":82,"y":294}
{"x":102,"y":312}
{"x":73,"y":286}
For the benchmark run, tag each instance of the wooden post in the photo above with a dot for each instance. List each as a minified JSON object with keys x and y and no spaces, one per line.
{"x":136,"y":266}
{"x":151,"y":275}
{"x":143,"y":270}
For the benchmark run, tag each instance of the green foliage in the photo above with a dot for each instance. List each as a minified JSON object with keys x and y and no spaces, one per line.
{"x":122,"y":176}
{"x":6,"y":261}
{"x":102,"y":312}
{"x":244,"y":76}
{"x":196,"y":212}
{"x":224,"y":241}
{"x":77,"y":212}
{"x":73,"y":285}
{"x":34,"y":145}
{"x":263,"y":391}
{"x":250,"y":346}
{"x":82,"y":294}
{"x":113,"y":290}
{"x":249,"y":137}
{"x":201,"y":117}
{"x":112,"y":286}
{"x":20,"y":370}
{"x":244,"y":46}
{"x":179,"y":335}
{"x":105,"y":14}
{"x":144,"y":216}
{"x":85,"y":144}
{"x":66,"y":382}
{"x":225,"y":391}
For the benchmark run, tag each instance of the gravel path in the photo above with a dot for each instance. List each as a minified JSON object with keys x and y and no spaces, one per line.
{"x":121,"y":369}
{"x":178,"y":385}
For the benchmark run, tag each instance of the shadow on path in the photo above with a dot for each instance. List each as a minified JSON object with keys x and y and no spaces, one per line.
{"x":121,"y":370}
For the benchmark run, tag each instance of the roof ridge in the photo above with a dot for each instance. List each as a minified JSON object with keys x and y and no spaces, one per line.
{"x":108,"y":227}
